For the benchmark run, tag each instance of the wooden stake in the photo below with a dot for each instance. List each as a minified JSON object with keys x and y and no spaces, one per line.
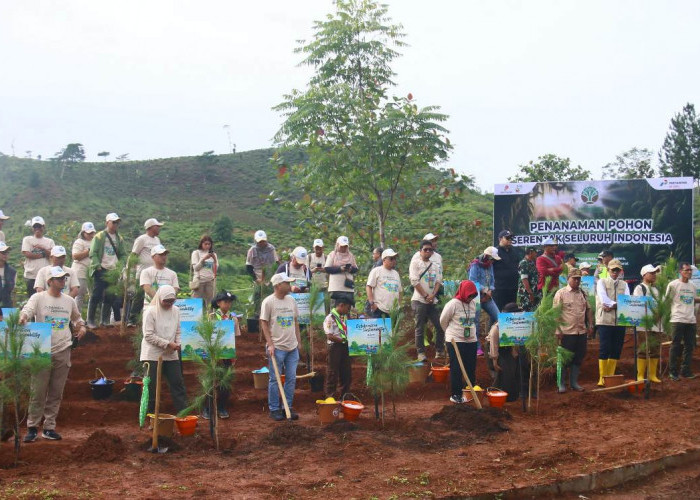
{"x":281,"y":388}
{"x":156,"y":412}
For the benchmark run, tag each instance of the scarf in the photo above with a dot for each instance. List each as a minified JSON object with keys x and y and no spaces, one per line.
{"x":340,"y":259}
{"x":166,"y":319}
{"x":466,"y":291}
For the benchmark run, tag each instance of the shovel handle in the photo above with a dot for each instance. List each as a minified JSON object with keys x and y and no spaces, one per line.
{"x":97,"y":370}
{"x":156,"y":413}
{"x":464,"y":373}
{"x":281,"y":388}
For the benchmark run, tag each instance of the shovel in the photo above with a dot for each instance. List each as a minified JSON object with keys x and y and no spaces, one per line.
{"x":154,"y":446}
{"x":281,"y":388}
{"x":466,"y":377}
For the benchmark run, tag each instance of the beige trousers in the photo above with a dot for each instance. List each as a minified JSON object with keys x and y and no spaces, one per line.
{"x":47,"y":391}
{"x":205,"y":291}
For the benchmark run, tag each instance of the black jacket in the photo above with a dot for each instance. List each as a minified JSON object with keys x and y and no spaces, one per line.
{"x":505,"y":271}
{"x":7,"y":284}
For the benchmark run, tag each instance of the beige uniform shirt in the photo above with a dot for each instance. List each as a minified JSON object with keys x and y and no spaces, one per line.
{"x":157,"y":278}
{"x":386,"y":285}
{"x":42,"y":278}
{"x":80,"y":267}
{"x":59,"y":311}
{"x":682,"y":301}
{"x":34,"y":245}
{"x":281,"y":316}
{"x":432,"y":276}
{"x":573,"y":314}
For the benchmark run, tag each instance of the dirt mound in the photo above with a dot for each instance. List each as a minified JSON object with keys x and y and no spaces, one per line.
{"x":163,"y":442}
{"x":566,"y":455}
{"x":605,"y":402}
{"x":90,"y":337}
{"x":100,"y":446}
{"x":341,"y":427}
{"x":290,"y":434}
{"x":463,"y":417}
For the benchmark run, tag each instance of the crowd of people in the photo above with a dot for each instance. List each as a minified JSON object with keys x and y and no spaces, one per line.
{"x":498,"y":280}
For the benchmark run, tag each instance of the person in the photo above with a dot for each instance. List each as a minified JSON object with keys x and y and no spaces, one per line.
{"x":575,"y":327}
{"x":316,"y":262}
{"x":529,"y":295}
{"x":426,"y":278}
{"x":58,"y":258}
{"x":154,"y":277}
{"x":377,"y":257}
{"x":384,"y":286}
{"x":51,"y":306}
{"x":141,"y":250}
{"x":570,"y":260}
{"x":481,"y":272}
{"x":585,"y":268}
{"x":205,"y":264}
{"x":81,"y":260}
{"x":8,"y":275}
{"x":279,"y":318}
{"x":549,"y":265}
{"x":341,"y":268}
{"x":3,"y":218}
{"x":221,"y":311}
{"x":650,"y":341}
{"x":435,"y":257}
{"x":601,"y":270}
{"x":260,"y":255}
{"x":459,"y":321}
{"x":36,"y":250}
{"x":511,"y":366}
{"x":683,"y":299}
{"x":505,"y":271}
{"x":161,"y":337}
{"x":611,"y":335}
{"x":296,"y":268}
{"x":339,"y":367}
{"x":106,"y":250}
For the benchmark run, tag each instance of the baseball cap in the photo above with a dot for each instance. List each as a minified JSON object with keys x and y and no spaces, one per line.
{"x":570,"y":256}
{"x":343,"y":241}
{"x":260,"y":235}
{"x":57,"y":272}
{"x":549,"y":242}
{"x":58,"y":251}
{"x":318,"y":243}
{"x":615,"y":264}
{"x":300,"y":254}
{"x":388,"y":253}
{"x":505,"y":234}
{"x":111,"y":217}
{"x":584,"y":265}
{"x":281,"y":278}
{"x":4,"y":247}
{"x":151,"y":223}
{"x":649,"y":269}
{"x":530,"y":249}
{"x":575,"y":273}
{"x":430,"y":237}
{"x":158,"y":249}
{"x":37,"y":220}
{"x":492,"y":252}
{"x":3,"y":216}
{"x":88,"y":227}
{"x":605,"y":253}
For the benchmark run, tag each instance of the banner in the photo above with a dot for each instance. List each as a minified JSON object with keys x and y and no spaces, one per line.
{"x":36,"y":334}
{"x":6,"y":311}
{"x":515,"y":328}
{"x":192,"y":342}
{"x":302,"y":300}
{"x":643,"y":221}
{"x":695,"y":278}
{"x":365,"y":335}
{"x":631,"y":309}
{"x":190,"y":309}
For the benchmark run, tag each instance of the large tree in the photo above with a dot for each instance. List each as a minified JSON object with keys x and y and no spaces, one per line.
{"x":70,"y":155}
{"x":680,"y":152}
{"x":365,"y":147}
{"x":550,"y":168}
{"x":632,"y":164}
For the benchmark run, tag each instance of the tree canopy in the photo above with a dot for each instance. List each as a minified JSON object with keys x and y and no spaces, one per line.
{"x":680,"y":152}
{"x":550,"y":167}
{"x":632,"y":164}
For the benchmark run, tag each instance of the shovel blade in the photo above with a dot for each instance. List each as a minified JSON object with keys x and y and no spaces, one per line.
{"x":159,"y":449}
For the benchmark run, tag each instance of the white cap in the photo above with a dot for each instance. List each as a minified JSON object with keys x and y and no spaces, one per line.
{"x":300,"y":254}
{"x":111,"y":217}
{"x":3,"y":216}
{"x":58,"y":251}
{"x":549,"y":242}
{"x":57,"y":272}
{"x":430,"y":237}
{"x":37,"y":220}
{"x":151,"y":223}
{"x":281,"y":278}
{"x":88,"y":227}
{"x":158,"y":249}
{"x":342,"y":241}
{"x":492,"y":252}
{"x":318,"y":242}
{"x":3,"y":246}
{"x":260,"y":235}
{"x":584,"y":265}
{"x":388,"y":253}
{"x":649,"y":269}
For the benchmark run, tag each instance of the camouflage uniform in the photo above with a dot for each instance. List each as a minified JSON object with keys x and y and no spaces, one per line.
{"x":528,"y":269}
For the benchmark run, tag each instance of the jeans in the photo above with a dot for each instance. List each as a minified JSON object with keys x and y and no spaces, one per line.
{"x":101,"y":295}
{"x":683,"y":335}
{"x":611,"y":340}
{"x":467,"y":350}
{"x":287,"y":362}
{"x":490,"y":308}
{"x":423,"y":313}
{"x":80,"y":298}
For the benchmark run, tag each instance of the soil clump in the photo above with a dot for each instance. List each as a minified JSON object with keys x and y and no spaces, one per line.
{"x":100,"y":446}
{"x":463,"y":417}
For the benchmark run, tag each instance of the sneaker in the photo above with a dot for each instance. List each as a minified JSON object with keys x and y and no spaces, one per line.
{"x":91,"y":326}
{"x":294,"y":415}
{"x":421,"y":357}
{"x":440,"y":353}
{"x":277,"y":415}
{"x":690,"y":376}
{"x":130,"y":324}
{"x":479,"y":352}
{"x":674,"y":377}
{"x":30,"y":437}
{"x":458,"y":400}
{"x":205,"y":413}
{"x":51,"y":434}
{"x":105,"y":325}
{"x":223,"y":414}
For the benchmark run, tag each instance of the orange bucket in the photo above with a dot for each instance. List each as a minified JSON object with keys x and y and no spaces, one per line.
{"x":496,"y":396}
{"x":351,"y":407}
{"x":186,"y":425}
{"x":637,"y":388}
{"x":467,"y":394}
{"x":440,"y":373}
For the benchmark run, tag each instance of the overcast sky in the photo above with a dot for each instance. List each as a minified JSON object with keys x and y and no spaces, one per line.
{"x":519,"y":79}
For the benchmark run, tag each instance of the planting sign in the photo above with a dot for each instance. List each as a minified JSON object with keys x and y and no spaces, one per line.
{"x":190,"y":309}
{"x":515,"y":328}
{"x":302,"y":300}
{"x":365,"y":335}
{"x":35,"y":334}
{"x":192,"y":341}
{"x":631,"y":309}
{"x":695,"y":279}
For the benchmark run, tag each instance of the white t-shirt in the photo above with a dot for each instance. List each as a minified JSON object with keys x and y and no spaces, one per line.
{"x":42,"y":278}
{"x":2,"y":236}
{"x":336,"y":282}
{"x":157,"y":278}
{"x":682,"y":301}
{"x":79,"y":268}
{"x":457,"y":319}
{"x":142,"y":248}
{"x":206,"y":272}
{"x":59,"y":311}
{"x":34,"y":245}
{"x":385,"y":285}
{"x":281,"y":316}
{"x":429,"y":279}
{"x":109,"y":256}
{"x":435,"y":257}
{"x":321,"y":279}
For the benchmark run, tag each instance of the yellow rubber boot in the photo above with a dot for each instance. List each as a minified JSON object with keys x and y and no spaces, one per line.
{"x":641,"y":368}
{"x":653,"y":370}
{"x":612,"y":364}
{"x":602,"y":366}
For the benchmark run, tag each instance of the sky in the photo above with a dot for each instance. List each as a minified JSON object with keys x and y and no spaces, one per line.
{"x":586,"y":80}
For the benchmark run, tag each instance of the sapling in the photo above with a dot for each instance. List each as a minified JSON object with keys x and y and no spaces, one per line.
{"x":316,"y":297}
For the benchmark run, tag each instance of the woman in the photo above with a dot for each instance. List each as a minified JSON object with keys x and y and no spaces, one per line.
{"x":341,"y":268}
{"x":204,"y":265}
{"x":506,"y":363}
{"x":161,"y":337}
{"x":221,"y":311}
{"x":458,"y":319}
{"x":81,"y":260}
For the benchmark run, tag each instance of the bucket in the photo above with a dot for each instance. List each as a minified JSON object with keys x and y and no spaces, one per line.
{"x":166,"y":424}
{"x":328,"y":411}
{"x":186,"y":425}
{"x":351,"y":407}
{"x":261,"y":380}
{"x":614,"y":380}
{"x":132,"y":389}
{"x":316,"y":382}
{"x":417,"y":372}
{"x":467,"y":394}
{"x":253,"y":325}
{"x":440,"y":373}
{"x":637,"y":388}
{"x":102,"y":386}
{"x":496,"y":396}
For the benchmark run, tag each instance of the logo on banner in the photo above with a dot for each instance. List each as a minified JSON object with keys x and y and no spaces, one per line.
{"x":589,"y":195}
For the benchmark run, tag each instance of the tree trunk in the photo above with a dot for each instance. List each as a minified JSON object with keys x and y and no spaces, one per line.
{"x":215,"y":417}
{"x":17,"y":427}
{"x":382,"y":235}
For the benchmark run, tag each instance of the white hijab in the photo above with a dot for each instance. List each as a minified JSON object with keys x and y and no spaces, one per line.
{"x":166,"y":319}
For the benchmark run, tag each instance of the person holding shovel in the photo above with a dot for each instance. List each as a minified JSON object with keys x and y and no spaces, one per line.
{"x":459,"y":321}
{"x":651,"y":344}
{"x":339,"y":361}
{"x":221,"y":311}
{"x":279,"y":319}
{"x":611,"y":335}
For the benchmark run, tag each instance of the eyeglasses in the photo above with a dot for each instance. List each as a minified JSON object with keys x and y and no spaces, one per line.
{"x":168,"y":301}
{"x":615,"y":270}
{"x":62,"y":278}
{"x":427,"y":249}
{"x":391,"y":258}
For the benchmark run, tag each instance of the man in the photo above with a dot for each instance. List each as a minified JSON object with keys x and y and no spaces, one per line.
{"x":339,"y":363}
{"x":317,"y":260}
{"x":435,"y":257}
{"x":7,"y":277}
{"x":259,"y":256}
{"x":142,"y":251}
{"x":106,"y":250}
{"x":570,"y":260}
{"x":58,"y":259}
{"x":279,"y":319}
{"x":651,"y":341}
{"x":549,"y":265}
{"x":377,"y":257}
{"x":505,"y":271}
{"x":3,"y":218}
{"x":481,"y":272}
{"x":683,"y":299}
{"x":296,"y":268}
{"x":528,"y":294}
{"x":384,"y":286}
{"x":612,"y":336}
{"x":601,"y":270}
{"x":157,"y":275}
{"x":576,"y":325}
{"x":36,"y":250}
{"x":585,"y":268}
{"x":51,"y":306}
{"x":426,"y":278}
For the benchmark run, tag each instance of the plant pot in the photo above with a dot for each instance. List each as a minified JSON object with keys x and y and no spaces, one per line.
{"x":328,"y":412}
{"x":467,"y":394}
{"x":101,"y":387}
{"x":166,"y":424}
{"x":351,"y":408}
{"x":316,"y":382}
{"x":440,"y":373}
{"x":253,"y":325}
{"x":614,"y":380}
{"x":417,"y":372}
{"x":186,"y":425}
{"x":261,"y":380}
{"x":497,"y":397}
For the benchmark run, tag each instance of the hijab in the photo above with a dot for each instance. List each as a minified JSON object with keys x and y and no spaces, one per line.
{"x":166,"y":319}
{"x":466,"y":291}
{"x":340,"y":259}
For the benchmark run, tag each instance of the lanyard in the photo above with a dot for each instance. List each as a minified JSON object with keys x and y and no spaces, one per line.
{"x":342,"y":325}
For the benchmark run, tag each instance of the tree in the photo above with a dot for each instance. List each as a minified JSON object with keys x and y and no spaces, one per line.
{"x":680,"y":152}
{"x":103,"y":154}
{"x":207,"y":160}
{"x":550,"y":168}
{"x":632,"y":164}
{"x":70,"y":155}
{"x":124,"y":157}
{"x":222,"y":230}
{"x":365,"y":147}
